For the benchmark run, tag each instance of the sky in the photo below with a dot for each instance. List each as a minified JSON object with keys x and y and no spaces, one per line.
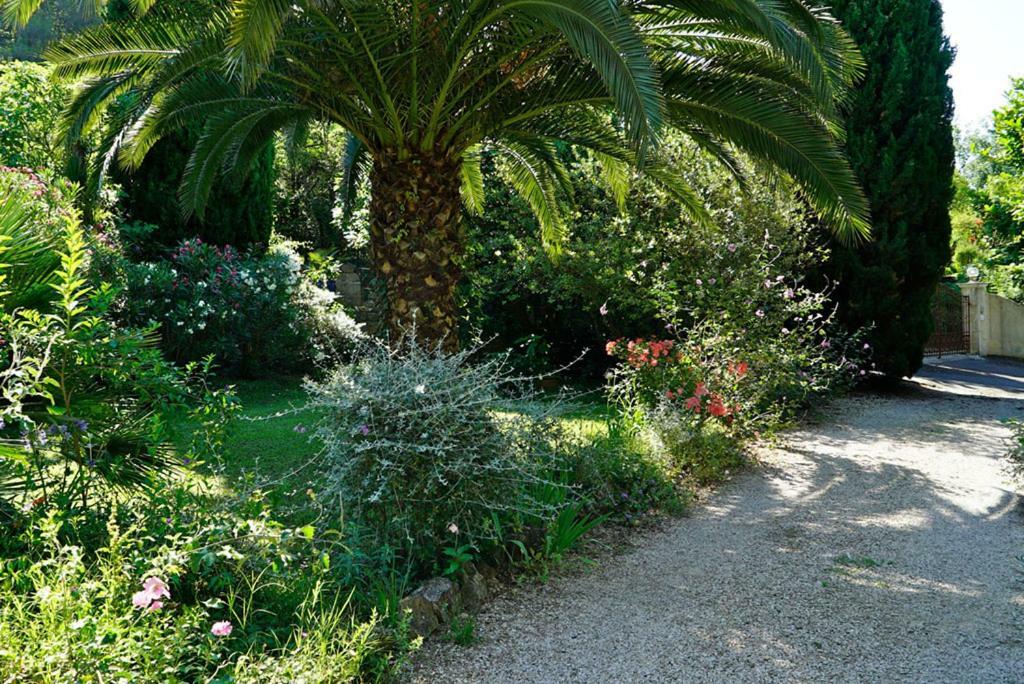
{"x":989,"y":38}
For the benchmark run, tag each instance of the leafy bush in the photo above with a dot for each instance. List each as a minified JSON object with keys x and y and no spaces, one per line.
{"x":30,"y":105}
{"x":255,"y":314}
{"x":752,"y":345}
{"x":625,"y":270}
{"x":86,"y":402}
{"x":424,"y":447}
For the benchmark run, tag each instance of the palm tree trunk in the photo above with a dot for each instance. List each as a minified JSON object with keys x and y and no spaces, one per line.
{"x":416,"y":243}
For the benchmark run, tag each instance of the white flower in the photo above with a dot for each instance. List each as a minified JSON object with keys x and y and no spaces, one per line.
{"x":421,"y":389}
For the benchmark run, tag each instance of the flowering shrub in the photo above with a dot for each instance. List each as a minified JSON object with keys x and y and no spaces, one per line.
{"x":424,"y":448}
{"x":752,"y":344}
{"x":255,"y":314}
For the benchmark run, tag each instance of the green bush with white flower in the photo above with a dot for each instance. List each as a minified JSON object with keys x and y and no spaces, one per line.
{"x":254,"y":313}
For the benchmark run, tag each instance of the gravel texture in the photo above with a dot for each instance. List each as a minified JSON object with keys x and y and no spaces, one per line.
{"x":879,"y":546}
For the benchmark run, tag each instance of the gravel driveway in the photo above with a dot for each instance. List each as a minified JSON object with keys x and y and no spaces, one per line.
{"x":880,"y":546}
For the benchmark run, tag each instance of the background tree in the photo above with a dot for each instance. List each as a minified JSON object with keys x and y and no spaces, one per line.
{"x":423,"y":87}
{"x":241,"y":208}
{"x":900,"y":142}
{"x":989,"y":212}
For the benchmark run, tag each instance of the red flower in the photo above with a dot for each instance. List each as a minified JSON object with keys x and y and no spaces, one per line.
{"x":609,"y":348}
{"x":738,"y":369}
{"x":693,"y":404}
{"x":717,"y":408}
{"x":700,"y":390}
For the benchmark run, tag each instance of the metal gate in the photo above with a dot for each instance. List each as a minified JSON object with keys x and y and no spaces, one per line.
{"x":951,"y":312}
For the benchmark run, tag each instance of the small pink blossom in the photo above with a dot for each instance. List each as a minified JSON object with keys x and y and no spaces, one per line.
{"x":153,"y":589}
{"x":825,"y":344}
{"x":699,"y":282}
{"x":221,"y":629}
{"x":140,"y":599}
{"x":789,"y":294}
{"x":156,"y":588}
{"x":731,"y":247}
{"x":759,"y":313}
{"x":604,"y":309}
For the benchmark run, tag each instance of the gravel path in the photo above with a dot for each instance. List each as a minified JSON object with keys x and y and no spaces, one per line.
{"x":879,"y":547}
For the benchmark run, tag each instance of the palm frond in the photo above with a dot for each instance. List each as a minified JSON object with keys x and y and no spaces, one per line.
{"x":472,"y":187}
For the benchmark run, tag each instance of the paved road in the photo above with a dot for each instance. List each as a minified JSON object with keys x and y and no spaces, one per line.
{"x":878,"y":546}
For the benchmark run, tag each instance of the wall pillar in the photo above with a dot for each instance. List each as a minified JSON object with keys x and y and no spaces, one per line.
{"x":977,"y":295}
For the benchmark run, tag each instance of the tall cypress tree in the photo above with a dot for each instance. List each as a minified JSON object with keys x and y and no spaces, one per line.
{"x":900,"y":141}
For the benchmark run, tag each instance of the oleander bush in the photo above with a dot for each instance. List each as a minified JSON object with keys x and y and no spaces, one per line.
{"x":753,"y":345}
{"x":254,"y":313}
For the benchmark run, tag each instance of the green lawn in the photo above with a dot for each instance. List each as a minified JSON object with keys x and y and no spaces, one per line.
{"x":265,"y":447}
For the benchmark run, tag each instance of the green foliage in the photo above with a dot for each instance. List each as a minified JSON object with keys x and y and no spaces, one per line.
{"x":989,"y":214}
{"x":74,"y":613}
{"x":755,"y":346}
{"x":30,"y":104}
{"x":33,"y":215}
{"x":422,"y":448}
{"x":463,"y":630}
{"x":899,"y":141}
{"x":309,"y":186}
{"x":255,"y":314}
{"x":240,"y":211}
{"x":631,"y":272}
{"x":89,"y":400}
{"x":56,"y":18}
{"x":1015,"y":452}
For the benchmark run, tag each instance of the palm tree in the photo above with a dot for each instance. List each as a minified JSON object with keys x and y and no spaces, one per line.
{"x":424,"y":88}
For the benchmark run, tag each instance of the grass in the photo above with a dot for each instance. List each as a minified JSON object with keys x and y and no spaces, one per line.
{"x":266,"y":448}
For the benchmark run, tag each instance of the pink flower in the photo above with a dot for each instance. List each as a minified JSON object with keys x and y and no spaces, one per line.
{"x":789,"y":294}
{"x":221,"y":629}
{"x":699,"y":282}
{"x":731,"y":247}
{"x":693,"y":404}
{"x":604,"y":309}
{"x":825,"y":344}
{"x":153,"y":589}
{"x":700,"y":390}
{"x":140,"y":599}
{"x":156,"y":588}
{"x":759,"y":313}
